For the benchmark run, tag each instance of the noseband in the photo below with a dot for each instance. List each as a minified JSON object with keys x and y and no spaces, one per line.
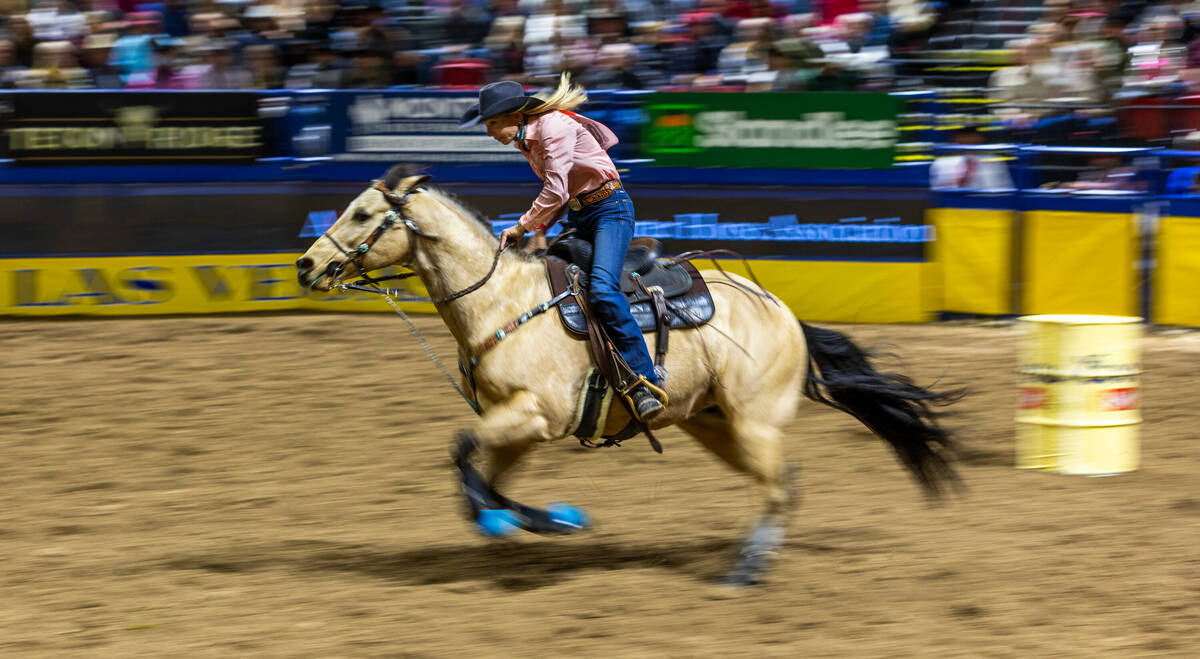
{"x":390,"y":218}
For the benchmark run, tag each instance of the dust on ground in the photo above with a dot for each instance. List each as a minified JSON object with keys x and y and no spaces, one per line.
{"x":281,"y":486}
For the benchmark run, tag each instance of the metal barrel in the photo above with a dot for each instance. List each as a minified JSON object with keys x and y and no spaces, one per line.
{"x":1079,"y":394}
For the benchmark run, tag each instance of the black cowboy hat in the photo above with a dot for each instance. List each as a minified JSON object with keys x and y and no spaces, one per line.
{"x":498,"y":98}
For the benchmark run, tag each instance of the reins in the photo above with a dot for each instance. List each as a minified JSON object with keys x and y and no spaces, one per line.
{"x":386,"y":294}
{"x":398,"y":203}
{"x":710,"y":254}
{"x":369,"y":284}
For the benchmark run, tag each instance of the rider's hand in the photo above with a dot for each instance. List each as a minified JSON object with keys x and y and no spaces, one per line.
{"x":511,"y":236}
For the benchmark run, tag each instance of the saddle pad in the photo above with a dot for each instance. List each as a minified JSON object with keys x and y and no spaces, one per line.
{"x":691,"y":309}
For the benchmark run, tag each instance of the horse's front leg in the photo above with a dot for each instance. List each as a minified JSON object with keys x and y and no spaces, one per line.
{"x":505,"y":433}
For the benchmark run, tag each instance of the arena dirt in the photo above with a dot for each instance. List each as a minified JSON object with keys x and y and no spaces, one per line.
{"x":280,"y":486}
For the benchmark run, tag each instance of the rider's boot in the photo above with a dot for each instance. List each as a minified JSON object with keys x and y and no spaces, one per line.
{"x":646,"y":401}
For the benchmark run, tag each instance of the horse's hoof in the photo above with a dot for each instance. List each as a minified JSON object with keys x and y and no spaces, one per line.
{"x":569,"y":516}
{"x":739,"y":580}
{"x":496,"y":523}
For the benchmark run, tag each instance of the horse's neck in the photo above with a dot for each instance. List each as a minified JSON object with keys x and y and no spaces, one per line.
{"x":461,"y":258}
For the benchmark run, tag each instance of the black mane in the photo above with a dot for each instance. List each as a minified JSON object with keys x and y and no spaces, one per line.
{"x":402,"y":171}
{"x":398,"y":173}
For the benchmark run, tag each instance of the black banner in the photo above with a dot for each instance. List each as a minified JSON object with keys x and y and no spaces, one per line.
{"x":266,"y":217}
{"x":90,"y":128}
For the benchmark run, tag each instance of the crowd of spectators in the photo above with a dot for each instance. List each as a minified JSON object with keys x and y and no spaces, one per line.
{"x":633,"y":44}
{"x":1072,"y":65}
{"x":1084,"y":59}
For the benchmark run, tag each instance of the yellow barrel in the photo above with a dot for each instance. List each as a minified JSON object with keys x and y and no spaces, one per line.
{"x":1078,"y":403}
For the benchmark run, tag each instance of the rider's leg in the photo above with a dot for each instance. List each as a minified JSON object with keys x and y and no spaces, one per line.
{"x":612,"y":229}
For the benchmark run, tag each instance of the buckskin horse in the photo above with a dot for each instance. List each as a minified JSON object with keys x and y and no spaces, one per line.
{"x":735,"y":381}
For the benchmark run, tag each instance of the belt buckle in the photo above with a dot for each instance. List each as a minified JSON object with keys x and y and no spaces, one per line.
{"x":573,"y":202}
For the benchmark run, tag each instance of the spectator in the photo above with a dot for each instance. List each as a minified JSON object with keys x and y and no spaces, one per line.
{"x":970,"y":169}
{"x":911,"y":22}
{"x":608,"y":27}
{"x":506,"y":45}
{"x":10,"y":71}
{"x":56,"y":20}
{"x":1184,"y":181}
{"x":168,"y":71}
{"x":1111,"y":55}
{"x":615,"y":67}
{"x":54,"y":67}
{"x":175,"y":18}
{"x":829,"y":10}
{"x":263,"y":62}
{"x":101,"y":74}
{"x":464,"y":23}
{"x":747,"y":55}
{"x":851,"y":60}
{"x":1023,"y":89}
{"x":408,"y":67}
{"x":1105,"y":172}
{"x":20,"y":34}
{"x":321,"y":69}
{"x":1156,"y":60}
{"x":368,"y":70}
{"x":134,"y":51}
{"x":879,"y":25}
{"x":218,"y":69}
{"x":797,"y":62}
{"x":702,"y":50}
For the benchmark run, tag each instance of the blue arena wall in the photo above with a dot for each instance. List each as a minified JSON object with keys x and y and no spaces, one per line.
{"x":848,"y":245}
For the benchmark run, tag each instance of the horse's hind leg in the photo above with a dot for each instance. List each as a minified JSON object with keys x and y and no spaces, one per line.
{"x":754,"y":448}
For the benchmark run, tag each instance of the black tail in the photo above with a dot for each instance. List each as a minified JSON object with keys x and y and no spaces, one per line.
{"x":888,"y":403}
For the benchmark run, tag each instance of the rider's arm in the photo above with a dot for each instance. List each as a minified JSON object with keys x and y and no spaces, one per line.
{"x":558,"y":144}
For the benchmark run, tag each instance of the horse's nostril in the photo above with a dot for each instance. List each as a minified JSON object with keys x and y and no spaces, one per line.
{"x":304,"y":263}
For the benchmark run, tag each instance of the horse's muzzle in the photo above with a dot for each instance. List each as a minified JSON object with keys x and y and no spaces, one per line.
{"x":304,"y":270}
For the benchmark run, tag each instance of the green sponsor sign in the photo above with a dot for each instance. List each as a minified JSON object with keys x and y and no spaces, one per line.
{"x":808,"y":130}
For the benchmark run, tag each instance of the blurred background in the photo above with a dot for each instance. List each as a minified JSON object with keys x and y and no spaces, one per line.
{"x":978,"y":157}
{"x":278,"y":483}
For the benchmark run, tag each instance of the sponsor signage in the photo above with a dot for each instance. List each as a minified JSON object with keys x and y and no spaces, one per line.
{"x":184,"y":284}
{"x":771,"y":130}
{"x":784,"y":223}
{"x":1119,"y":400}
{"x":1031,"y":398}
{"x":406,"y":127}
{"x":232,"y":283}
{"x":422,"y":126}
{"x":88,"y":128}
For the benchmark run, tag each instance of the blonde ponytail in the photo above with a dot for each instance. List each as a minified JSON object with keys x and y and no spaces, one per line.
{"x":567,"y":96}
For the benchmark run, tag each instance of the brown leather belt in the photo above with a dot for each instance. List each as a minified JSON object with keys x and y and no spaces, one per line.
{"x":599,"y":194}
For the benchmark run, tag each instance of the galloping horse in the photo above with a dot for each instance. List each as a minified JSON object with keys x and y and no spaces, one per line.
{"x":735,"y":382}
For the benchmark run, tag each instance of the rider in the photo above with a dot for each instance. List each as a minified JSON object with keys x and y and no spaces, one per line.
{"x":567,"y":151}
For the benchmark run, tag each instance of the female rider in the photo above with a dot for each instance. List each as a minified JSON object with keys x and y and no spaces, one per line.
{"x":567,"y":151}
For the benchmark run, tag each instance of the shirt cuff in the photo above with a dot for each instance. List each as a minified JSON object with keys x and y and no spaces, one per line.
{"x":529,"y":224}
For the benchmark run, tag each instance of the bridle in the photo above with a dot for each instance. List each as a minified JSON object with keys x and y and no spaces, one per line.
{"x":396,"y":213}
{"x":390,"y":218}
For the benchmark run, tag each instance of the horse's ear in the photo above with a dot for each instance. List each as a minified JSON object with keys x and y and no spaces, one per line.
{"x":413,"y":182}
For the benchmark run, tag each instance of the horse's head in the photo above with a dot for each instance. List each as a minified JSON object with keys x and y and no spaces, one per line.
{"x":375,"y":231}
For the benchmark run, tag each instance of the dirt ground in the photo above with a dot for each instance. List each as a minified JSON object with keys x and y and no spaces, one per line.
{"x":277,"y":486}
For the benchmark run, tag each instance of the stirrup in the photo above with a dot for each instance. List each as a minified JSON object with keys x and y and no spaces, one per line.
{"x":653,"y":390}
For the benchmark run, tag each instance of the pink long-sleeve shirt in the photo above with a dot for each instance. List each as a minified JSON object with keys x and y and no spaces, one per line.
{"x":566,"y":151}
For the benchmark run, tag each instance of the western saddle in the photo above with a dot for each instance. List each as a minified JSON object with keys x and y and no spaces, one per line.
{"x":663,"y":294}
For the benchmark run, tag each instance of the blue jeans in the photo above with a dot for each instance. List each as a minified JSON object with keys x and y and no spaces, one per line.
{"x":608,"y":225}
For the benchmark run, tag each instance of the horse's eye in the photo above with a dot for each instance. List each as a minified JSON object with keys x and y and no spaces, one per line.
{"x":361,"y":216}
